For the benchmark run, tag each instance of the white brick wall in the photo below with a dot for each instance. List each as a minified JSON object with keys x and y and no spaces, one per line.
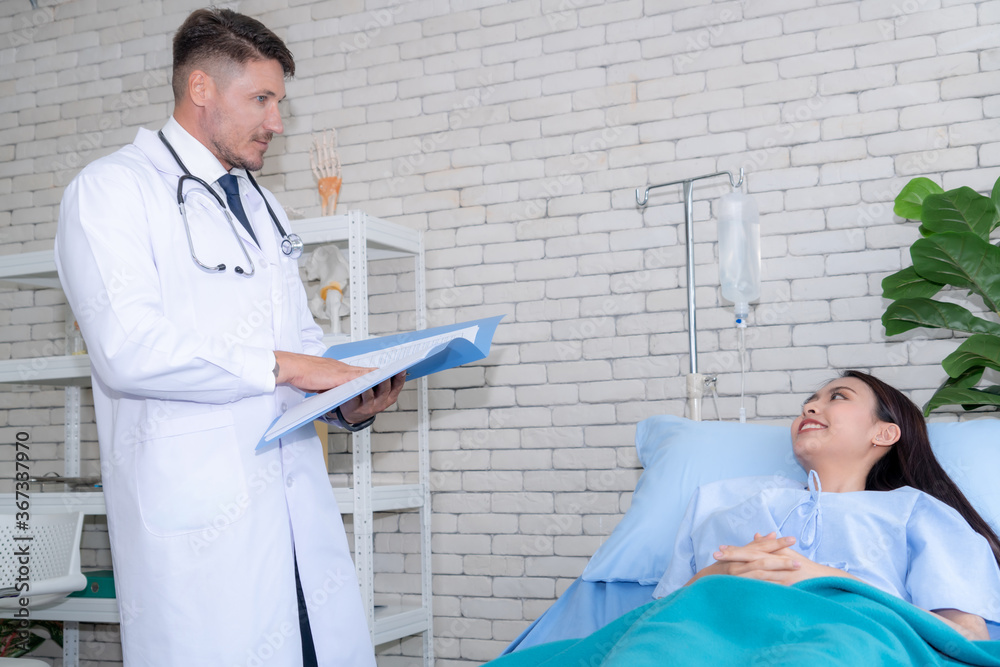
{"x":514,"y":135}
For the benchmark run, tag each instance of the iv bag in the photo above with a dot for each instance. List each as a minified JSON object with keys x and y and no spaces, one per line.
{"x":739,"y":251}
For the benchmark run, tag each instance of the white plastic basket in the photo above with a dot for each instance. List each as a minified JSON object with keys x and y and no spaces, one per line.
{"x":53,"y":557}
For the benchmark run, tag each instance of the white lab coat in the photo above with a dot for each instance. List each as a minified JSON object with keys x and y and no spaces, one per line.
{"x":202,"y":526}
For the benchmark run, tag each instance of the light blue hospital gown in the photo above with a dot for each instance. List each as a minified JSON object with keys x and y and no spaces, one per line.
{"x":904,"y":541}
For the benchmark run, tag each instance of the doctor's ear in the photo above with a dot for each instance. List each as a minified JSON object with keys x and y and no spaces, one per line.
{"x":200,"y":87}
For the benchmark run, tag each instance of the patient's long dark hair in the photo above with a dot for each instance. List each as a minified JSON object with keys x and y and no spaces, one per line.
{"x":911,"y":461}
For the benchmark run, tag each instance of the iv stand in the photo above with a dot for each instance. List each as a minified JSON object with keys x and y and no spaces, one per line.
{"x":696,"y":382}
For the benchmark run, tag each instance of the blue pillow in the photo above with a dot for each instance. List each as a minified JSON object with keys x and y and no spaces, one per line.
{"x":678,"y":455}
{"x":970,"y":453}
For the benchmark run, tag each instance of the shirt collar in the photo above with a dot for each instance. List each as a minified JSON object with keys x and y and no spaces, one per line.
{"x":195,"y":155}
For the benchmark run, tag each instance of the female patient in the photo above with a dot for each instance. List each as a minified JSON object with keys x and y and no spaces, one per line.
{"x":878,"y":507}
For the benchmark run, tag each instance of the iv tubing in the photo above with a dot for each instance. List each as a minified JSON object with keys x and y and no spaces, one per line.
{"x":742,"y":343}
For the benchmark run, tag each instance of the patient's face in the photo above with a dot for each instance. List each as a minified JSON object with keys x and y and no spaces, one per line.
{"x":837,"y":423}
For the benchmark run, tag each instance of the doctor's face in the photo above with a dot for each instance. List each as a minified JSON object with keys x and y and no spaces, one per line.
{"x":244,"y":116}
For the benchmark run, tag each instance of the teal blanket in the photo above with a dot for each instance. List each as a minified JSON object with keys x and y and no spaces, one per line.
{"x":735,"y":621}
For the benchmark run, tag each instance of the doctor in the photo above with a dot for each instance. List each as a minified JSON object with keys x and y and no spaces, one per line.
{"x":199,"y":334}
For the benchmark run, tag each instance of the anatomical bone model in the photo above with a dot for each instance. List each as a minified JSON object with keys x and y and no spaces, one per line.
{"x":328,"y":266}
{"x":325,"y":165}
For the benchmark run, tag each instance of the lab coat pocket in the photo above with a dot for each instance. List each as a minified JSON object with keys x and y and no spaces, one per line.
{"x":189,"y":475}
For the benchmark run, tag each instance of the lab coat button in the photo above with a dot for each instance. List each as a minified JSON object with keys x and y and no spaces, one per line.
{"x":289,"y":482}
{"x":284,"y":406}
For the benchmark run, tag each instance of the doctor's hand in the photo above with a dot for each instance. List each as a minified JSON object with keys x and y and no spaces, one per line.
{"x":375,"y":400}
{"x":314,"y":374}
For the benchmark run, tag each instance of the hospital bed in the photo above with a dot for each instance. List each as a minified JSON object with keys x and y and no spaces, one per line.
{"x":679,"y":455}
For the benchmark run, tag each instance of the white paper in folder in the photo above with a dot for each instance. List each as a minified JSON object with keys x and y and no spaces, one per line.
{"x":418,"y":353}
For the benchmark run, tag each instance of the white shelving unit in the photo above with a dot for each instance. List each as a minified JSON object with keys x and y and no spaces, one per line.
{"x":364,"y":239}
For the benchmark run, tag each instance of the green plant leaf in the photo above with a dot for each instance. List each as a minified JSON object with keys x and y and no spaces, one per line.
{"x":907,"y":284}
{"x":989,"y":390}
{"x":960,"y":259}
{"x":910,"y":200}
{"x":992,"y":389}
{"x":966,"y":380}
{"x":959,"y":210}
{"x":980,"y":350}
{"x":969,"y":399}
{"x":906,"y":314}
{"x":995,"y":196}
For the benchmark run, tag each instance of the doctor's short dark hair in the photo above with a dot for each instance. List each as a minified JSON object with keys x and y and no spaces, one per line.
{"x":217,"y":37}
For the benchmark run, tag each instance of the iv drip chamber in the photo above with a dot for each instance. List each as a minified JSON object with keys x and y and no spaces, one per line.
{"x":739,"y":252}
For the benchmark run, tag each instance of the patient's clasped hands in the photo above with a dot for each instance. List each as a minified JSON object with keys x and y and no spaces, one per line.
{"x":768,"y":558}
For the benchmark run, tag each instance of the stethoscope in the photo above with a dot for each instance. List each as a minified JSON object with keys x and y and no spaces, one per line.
{"x":291,"y":244}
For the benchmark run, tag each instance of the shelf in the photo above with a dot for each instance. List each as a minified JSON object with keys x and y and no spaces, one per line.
{"x":396,"y":622}
{"x":395,"y":497}
{"x":74,"y":370}
{"x":391,"y":623}
{"x":386,"y":240}
{"x":329,"y":340}
{"x":86,"y":610}
{"x":56,"y":502}
{"x":385,"y":498}
{"x":35,"y":269}
{"x":62,"y":371}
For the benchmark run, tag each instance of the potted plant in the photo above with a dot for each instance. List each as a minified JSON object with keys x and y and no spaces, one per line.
{"x":954,"y":252}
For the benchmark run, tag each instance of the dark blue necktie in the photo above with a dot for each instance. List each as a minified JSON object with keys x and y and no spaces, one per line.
{"x":232,"y":189}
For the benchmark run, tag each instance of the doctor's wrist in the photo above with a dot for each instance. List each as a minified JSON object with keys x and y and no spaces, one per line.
{"x":337,"y":418}
{"x":283,"y":367}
